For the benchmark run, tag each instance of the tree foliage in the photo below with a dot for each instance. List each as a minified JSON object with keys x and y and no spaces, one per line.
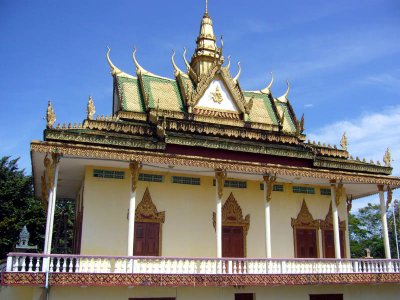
{"x":365,"y":228}
{"x":18,"y":207}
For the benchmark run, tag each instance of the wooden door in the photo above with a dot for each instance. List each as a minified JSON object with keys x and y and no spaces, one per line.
{"x":306,"y":243}
{"x":232,"y":241}
{"x":329,"y":243}
{"x":147,"y":239}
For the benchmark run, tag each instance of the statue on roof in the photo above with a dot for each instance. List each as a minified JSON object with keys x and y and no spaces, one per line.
{"x":90,"y":109}
{"x":344,"y":142}
{"x":387,"y":158}
{"x":50,"y":115}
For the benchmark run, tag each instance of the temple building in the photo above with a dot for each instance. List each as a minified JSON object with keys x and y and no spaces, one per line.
{"x":195,"y":188}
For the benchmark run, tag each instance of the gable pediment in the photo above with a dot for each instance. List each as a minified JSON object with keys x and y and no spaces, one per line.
{"x":217,"y":97}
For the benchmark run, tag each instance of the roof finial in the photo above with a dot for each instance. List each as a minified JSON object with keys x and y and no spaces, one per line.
{"x":177,"y":71}
{"x":90,"y":109}
{"x":344,"y":141}
{"x":238,"y":74}
{"x":267,"y":90}
{"x":284,"y":97}
{"x":387,"y":158}
{"x":50,"y":115}
{"x":206,"y":7}
{"x":114,"y":69}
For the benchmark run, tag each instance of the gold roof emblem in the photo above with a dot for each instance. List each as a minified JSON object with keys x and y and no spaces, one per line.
{"x":217,"y":96}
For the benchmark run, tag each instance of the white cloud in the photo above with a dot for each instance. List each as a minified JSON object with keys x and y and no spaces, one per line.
{"x":308,"y":105}
{"x":369,"y":135}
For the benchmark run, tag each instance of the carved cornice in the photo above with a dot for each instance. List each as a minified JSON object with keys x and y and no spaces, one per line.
{"x":146,"y":211}
{"x":239,"y":133}
{"x":119,"y":127}
{"x":304,"y":218}
{"x":239,"y":146}
{"x":104,"y":139}
{"x":90,"y":151}
{"x":329,"y":163}
{"x":130,"y":115}
{"x":216,"y":113}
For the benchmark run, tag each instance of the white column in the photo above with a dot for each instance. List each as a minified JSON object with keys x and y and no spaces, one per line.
{"x":219,"y":186}
{"x":134,"y":168}
{"x":268,"y":183}
{"x":384,"y":222}
{"x":335,"y":221}
{"x":51,"y":200}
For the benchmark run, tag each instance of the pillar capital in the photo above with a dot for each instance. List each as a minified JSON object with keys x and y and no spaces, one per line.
{"x":134,"y":167}
{"x":269,"y":181}
{"x":220,"y":176}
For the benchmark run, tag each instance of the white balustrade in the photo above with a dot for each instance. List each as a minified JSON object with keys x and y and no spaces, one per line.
{"x":24,"y":262}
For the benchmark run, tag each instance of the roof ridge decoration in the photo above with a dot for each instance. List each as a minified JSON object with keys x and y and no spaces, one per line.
{"x":177,"y":71}
{"x":50,"y":115}
{"x":267,"y":90}
{"x":90,"y":109}
{"x":284,"y":98}
{"x":114,"y":69}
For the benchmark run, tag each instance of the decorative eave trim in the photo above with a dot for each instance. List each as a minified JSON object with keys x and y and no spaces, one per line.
{"x":240,"y":146}
{"x":101,"y":139}
{"x":231,"y":132}
{"x":86,"y":151}
{"x":130,"y":115}
{"x":122,"y":127}
{"x":167,"y":280}
{"x":329,"y":163}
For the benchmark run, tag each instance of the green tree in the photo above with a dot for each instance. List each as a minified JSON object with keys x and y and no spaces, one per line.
{"x":18,"y":207}
{"x":365,"y":228}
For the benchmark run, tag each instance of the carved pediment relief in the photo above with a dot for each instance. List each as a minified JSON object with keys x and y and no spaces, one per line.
{"x":328,"y":222}
{"x":304,"y":218}
{"x":146,"y":211}
{"x":232,"y":215}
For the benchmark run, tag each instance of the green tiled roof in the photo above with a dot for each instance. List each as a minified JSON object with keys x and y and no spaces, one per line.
{"x":262,"y":111}
{"x":129,"y":93}
{"x":288,"y":124}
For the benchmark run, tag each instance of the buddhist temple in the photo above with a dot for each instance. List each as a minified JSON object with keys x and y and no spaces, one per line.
{"x":195,"y":188}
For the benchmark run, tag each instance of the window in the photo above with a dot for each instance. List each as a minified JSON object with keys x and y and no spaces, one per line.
{"x":303,"y":190}
{"x":244,"y":296}
{"x":186,"y":180}
{"x":329,"y":243}
{"x":151,"y":177}
{"x":306,"y":243}
{"x":325,"y":192}
{"x":239,"y":184}
{"x":108,"y":174}
{"x":275,"y":188}
{"x":327,"y":297}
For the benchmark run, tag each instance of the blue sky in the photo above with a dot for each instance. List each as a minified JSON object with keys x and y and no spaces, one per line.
{"x":341,"y":58}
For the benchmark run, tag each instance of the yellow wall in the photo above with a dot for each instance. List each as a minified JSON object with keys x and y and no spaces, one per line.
{"x":350,"y":292}
{"x":188,"y":229}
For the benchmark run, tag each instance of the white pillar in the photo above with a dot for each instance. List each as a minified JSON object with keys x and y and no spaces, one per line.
{"x":384,"y":222}
{"x":335,"y":221}
{"x":134,"y":168}
{"x":219,"y":186}
{"x":51,"y":200}
{"x":268,"y":183}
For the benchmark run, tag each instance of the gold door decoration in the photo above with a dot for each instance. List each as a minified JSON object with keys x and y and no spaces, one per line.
{"x":327,"y":224}
{"x":232,"y":215}
{"x":305,"y":220}
{"x":146,"y":211}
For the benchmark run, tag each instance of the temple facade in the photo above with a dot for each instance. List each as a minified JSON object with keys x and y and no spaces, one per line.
{"x":194,"y":188}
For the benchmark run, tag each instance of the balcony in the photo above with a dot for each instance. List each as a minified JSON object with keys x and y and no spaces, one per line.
{"x":80,"y":270}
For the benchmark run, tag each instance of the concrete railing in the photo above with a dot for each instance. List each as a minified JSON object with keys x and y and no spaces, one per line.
{"x":59,"y":263}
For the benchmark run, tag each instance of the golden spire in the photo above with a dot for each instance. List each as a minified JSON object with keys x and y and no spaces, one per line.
{"x":207,"y":52}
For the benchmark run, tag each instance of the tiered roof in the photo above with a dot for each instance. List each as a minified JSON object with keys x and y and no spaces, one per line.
{"x":205,"y":107}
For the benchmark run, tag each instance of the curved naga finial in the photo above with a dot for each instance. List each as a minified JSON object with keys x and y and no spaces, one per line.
{"x":238,"y":74}
{"x":139,"y":68}
{"x":267,"y":90}
{"x":114,"y":69}
{"x":229,"y":63}
{"x":284,"y":97}
{"x":184,"y":58}
{"x":177,"y":71}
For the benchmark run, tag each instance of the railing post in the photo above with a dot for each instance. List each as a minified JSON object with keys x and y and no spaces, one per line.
{"x":9,"y":264}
